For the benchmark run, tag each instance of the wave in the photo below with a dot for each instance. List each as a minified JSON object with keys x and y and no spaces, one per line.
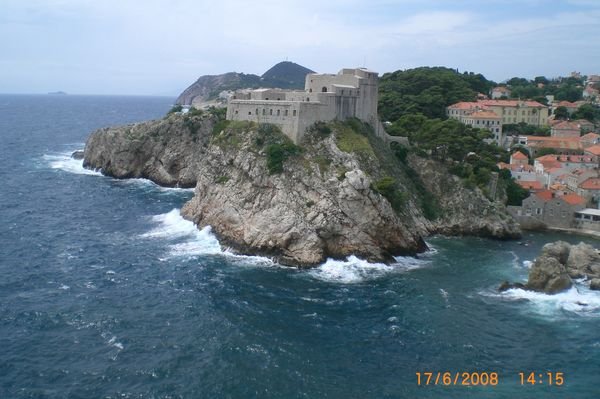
{"x":188,"y":241}
{"x":191,"y":241}
{"x":63,"y":161}
{"x":356,"y":270}
{"x":579,"y":299}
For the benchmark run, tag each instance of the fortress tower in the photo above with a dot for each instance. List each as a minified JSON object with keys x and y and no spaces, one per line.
{"x":349,"y":93}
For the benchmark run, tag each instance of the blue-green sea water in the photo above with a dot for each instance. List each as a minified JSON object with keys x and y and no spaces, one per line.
{"x":106,"y":292}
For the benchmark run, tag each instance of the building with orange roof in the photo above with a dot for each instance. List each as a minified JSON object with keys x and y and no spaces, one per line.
{"x":573,"y":199}
{"x":589,"y":139}
{"x":477,"y":115}
{"x":561,"y":145}
{"x":517,"y":111}
{"x":594,"y":151}
{"x":547,"y":209}
{"x":518,"y":158}
{"x":510,"y":111}
{"x":590,"y":189}
{"x":531,"y":185}
{"x":571,"y":107}
{"x":565,"y":129}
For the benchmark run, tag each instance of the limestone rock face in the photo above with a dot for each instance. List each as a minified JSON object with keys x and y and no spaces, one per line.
{"x":322,"y":204}
{"x":583,"y":261}
{"x":548,"y":275}
{"x":301,"y":216}
{"x":166,"y":151}
{"x":463,"y":211}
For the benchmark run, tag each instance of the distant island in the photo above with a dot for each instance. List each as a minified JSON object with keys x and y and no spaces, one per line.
{"x":57,"y":93}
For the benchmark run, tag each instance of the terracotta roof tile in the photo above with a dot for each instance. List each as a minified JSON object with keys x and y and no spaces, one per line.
{"x":573,"y":199}
{"x":545,"y":195}
{"x":519,"y":155}
{"x":594,"y":150}
{"x":530,"y":185}
{"x":593,"y":183}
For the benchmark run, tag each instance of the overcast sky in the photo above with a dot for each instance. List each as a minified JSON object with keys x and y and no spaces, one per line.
{"x":162,"y":46}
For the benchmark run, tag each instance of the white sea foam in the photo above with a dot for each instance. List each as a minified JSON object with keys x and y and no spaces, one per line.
{"x":63,"y":161}
{"x":190,"y":240}
{"x":579,"y":299}
{"x":355,"y":270}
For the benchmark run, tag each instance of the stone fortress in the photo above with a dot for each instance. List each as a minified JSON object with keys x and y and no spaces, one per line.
{"x":326,"y":97}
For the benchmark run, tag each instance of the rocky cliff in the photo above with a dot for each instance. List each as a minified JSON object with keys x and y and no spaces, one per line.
{"x":341,"y":192}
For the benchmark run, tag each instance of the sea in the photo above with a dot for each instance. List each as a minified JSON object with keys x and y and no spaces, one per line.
{"x":107,"y":292}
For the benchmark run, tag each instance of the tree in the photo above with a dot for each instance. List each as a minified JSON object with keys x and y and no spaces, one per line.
{"x":587,"y":111}
{"x":561,"y":113}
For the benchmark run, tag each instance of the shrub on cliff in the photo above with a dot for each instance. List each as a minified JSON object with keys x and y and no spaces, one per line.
{"x":277,"y":154}
{"x":388,"y":187}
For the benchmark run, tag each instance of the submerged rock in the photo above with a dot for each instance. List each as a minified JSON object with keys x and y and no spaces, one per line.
{"x":77,"y":154}
{"x":505,"y":286}
{"x":595,"y":284}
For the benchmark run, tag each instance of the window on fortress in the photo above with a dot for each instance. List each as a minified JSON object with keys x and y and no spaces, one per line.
{"x":310,"y":90}
{"x":271,"y":111}
{"x":294,"y":112}
{"x":278,"y":98}
{"x":236,"y":111}
{"x":256,"y":111}
{"x":278,"y":112}
{"x":267,"y":98}
{"x":324,"y":89}
{"x":264,"y":111}
{"x":307,"y":99}
{"x":249,"y":112}
{"x":286,"y":112}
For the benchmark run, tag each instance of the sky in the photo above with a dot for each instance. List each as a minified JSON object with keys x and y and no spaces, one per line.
{"x":159,"y":47}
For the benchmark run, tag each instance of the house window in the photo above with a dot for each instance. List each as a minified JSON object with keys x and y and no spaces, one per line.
{"x":236,"y":111}
{"x":294,"y":112}
{"x":307,"y":99}
{"x":271,"y":111}
{"x":278,"y":112}
{"x":286,"y":112}
{"x":264,"y":111}
{"x":249,"y":112}
{"x":256,"y":111}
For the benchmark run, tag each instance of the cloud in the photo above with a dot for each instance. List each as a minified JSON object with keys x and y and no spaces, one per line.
{"x":160,"y":46}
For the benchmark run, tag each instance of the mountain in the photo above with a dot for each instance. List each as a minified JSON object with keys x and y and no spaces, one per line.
{"x":285,"y":75}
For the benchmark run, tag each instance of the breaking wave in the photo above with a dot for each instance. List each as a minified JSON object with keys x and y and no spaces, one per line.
{"x":579,"y":299}
{"x":63,"y":161}
{"x":356,"y":270}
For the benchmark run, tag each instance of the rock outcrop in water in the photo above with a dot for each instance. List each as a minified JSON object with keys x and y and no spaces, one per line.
{"x":332,"y":197}
{"x":557,"y":264}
